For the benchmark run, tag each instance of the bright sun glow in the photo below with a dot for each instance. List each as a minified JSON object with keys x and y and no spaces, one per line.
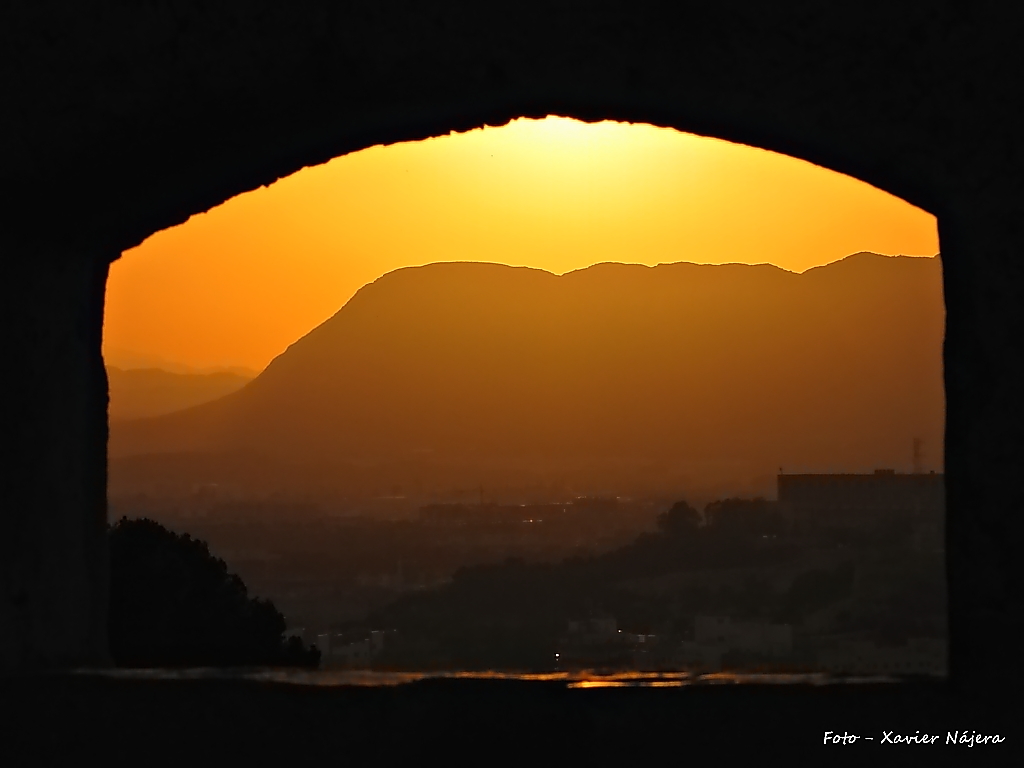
{"x":238,"y":284}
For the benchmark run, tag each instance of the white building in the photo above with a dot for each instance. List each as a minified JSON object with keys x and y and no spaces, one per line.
{"x":704,"y":657}
{"x":715,"y":636}
{"x":599,"y":629}
{"x":917,"y":657}
{"x":354,"y":654}
{"x":749,"y":636}
{"x":348,"y":651}
{"x":323,"y":644}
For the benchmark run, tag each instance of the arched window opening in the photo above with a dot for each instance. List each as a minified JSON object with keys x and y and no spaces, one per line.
{"x":551,"y":397}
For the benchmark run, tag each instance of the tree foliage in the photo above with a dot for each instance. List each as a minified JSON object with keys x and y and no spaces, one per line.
{"x":172,"y":603}
{"x":680,"y":520}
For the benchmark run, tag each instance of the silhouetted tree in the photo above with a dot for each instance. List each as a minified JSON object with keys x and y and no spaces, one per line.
{"x":172,"y":603}
{"x":681,"y":520}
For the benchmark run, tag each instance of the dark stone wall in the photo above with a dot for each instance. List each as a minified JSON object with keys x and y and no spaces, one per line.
{"x":53,"y":498}
{"x":129,"y":117}
{"x":120,"y":119}
{"x":983,"y":277}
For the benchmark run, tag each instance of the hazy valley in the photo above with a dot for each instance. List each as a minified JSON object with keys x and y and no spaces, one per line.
{"x":616,"y":379}
{"x":409,"y":478}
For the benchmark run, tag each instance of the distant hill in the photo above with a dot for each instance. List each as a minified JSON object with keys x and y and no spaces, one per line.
{"x":615,"y":377}
{"x":116,"y":357}
{"x":144,"y":392}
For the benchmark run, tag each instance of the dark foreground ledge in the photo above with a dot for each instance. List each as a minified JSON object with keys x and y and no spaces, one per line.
{"x":493,"y":721}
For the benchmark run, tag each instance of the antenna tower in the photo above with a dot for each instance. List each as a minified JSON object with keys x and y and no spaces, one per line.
{"x":918,"y":442}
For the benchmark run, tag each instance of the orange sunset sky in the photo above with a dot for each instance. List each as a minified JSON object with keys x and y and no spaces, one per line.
{"x":233,"y":287}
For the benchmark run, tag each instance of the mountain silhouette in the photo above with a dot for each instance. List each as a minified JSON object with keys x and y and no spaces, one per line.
{"x":461,"y":373}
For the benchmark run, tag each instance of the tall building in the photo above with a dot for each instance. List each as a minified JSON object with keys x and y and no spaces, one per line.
{"x":856,"y":498}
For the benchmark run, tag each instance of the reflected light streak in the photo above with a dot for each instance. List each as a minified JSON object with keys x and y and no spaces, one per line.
{"x":587,"y":679}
